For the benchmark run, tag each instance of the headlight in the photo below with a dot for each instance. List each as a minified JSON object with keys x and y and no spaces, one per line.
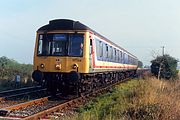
{"x":58,"y":66}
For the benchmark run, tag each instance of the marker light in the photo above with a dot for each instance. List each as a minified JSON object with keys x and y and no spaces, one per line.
{"x":75,"y":66}
{"x":42,"y":65}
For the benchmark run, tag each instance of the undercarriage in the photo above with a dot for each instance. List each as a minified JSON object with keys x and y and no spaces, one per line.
{"x":78,"y":84}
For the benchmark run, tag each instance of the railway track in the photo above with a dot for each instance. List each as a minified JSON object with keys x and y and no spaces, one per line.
{"x":18,"y":96}
{"x":10,"y":94}
{"x":45,"y":108}
{"x":29,"y":108}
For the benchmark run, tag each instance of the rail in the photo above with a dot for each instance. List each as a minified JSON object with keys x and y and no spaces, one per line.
{"x":4,"y":93}
{"x":6,"y":110}
{"x":19,"y":92}
{"x":69,"y":104}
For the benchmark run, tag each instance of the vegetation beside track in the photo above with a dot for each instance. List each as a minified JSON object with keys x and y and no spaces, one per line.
{"x":9,"y":68}
{"x":136,"y":99}
{"x":12,"y":84}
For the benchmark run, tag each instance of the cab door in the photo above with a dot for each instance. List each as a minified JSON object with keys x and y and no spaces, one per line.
{"x":90,"y":56}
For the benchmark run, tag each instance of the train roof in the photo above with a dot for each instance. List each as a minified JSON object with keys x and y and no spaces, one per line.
{"x":67,"y":24}
{"x":64,"y":24}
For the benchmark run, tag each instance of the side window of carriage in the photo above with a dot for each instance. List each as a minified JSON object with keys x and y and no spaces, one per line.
{"x":107,"y":49}
{"x":114,"y":54}
{"x":101,"y":49}
{"x":117,"y":56}
{"x":111,"y":53}
{"x":121,"y":56}
{"x":97,"y":47}
{"x":104,"y":52}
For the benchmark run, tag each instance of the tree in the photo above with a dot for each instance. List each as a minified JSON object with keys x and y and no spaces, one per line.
{"x":140,"y":64}
{"x":9,"y":68}
{"x":164,"y":67}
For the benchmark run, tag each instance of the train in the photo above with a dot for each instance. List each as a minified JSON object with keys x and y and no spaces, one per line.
{"x":70,"y":58}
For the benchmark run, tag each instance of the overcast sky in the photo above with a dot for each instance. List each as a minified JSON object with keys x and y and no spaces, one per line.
{"x":140,"y":26}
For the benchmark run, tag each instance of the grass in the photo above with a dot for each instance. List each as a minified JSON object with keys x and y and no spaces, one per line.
{"x":148,"y":99}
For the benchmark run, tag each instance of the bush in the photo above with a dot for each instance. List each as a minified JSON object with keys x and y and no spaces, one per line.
{"x":164,"y":67}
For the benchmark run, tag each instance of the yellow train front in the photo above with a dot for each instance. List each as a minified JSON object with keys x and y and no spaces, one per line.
{"x":66,"y":59}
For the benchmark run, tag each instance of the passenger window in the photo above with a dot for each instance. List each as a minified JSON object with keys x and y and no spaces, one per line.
{"x":117,"y":57}
{"x":114,"y":54}
{"x":107,"y":54}
{"x":97,"y":48}
{"x":111,"y":53}
{"x":101,"y":48}
{"x":121,"y":57}
{"x":104,"y":52}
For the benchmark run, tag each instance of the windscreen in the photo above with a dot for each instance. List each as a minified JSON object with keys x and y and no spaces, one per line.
{"x":60,"y":45}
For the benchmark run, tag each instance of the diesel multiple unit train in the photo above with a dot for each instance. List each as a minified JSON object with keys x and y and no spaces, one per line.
{"x":71,"y":58}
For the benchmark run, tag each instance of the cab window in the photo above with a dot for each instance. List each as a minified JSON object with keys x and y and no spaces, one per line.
{"x":60,"y":45}
{"x":76,"y":45}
